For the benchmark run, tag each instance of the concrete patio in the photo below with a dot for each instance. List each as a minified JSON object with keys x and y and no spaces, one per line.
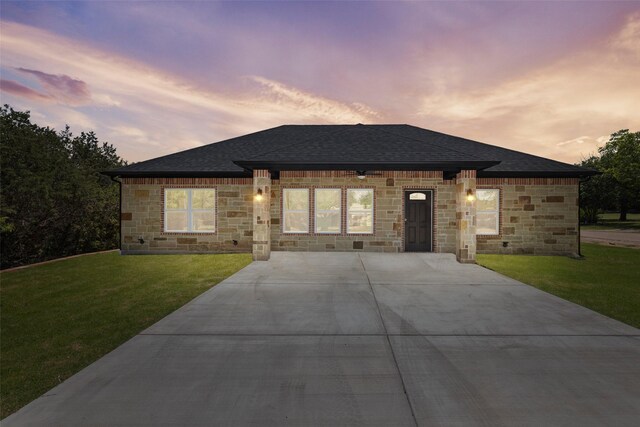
{"x":361,"y":339}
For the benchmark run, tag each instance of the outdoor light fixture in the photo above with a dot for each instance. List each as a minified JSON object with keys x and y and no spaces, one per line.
{"x":470,"y":196}
{"x":259,"y":195}
{"x":361,"y":174}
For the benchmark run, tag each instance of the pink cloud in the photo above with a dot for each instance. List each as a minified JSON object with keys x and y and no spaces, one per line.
{"x":61,"y":87}
{"x":15,"y":88}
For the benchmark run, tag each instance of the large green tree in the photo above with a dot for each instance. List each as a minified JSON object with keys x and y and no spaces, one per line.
{"x":618,"y":185}
{"x":53,"y":200}
{"x":620,"y":159}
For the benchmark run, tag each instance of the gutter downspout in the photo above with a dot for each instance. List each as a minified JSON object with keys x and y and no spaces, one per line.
{"x":115,"y":179}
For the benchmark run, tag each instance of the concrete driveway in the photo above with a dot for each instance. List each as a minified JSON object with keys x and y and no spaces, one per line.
{"x":361,"y":339}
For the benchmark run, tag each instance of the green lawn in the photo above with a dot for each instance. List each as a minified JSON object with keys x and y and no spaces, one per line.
{"x":607,"y":280}
{"x":58,"y":318}
{"x":608,"y":221}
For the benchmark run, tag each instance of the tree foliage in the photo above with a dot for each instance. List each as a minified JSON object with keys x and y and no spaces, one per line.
{"x":618,"y":187}
{"x":53,"y":201}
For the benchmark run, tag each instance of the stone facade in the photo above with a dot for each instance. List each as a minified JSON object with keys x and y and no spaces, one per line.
{"x":466,"y":216}
{"x":142,"y":216}
{"x":538,"y":215}
{"x":388,"y":189}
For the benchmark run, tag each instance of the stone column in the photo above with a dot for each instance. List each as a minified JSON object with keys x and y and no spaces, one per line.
{"x":466,"y":217}
{"x":261,"y":215}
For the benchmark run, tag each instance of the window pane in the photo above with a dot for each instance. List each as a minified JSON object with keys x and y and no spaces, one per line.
{"x":203,"y":221}
{"x":296,"y":199}
{"x":359,"y":198}
{"x":203,"y":199}
{"x":487,"y":200}
{"x":176,"y":199}
{"x":487,"y":223}
{"x":176,"y":221}
{"x":328,"y":222}
{"x":328,"y":199}
{"x":417,"y":196}
{"x":296,"y":222}
{"x":360,"y":222}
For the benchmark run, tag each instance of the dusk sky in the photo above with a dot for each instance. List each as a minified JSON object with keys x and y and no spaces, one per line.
{"x":548,"y":78}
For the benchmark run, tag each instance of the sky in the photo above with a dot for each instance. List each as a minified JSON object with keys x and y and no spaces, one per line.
{"x":553,"y":79}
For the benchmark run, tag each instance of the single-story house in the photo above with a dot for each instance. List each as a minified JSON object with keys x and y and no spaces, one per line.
{"x":383,"y":188}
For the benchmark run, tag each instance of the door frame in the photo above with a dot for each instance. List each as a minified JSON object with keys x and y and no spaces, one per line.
{"x":406,"y":190}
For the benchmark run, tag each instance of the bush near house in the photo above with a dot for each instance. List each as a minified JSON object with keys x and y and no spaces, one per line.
{"x":57,"y":318}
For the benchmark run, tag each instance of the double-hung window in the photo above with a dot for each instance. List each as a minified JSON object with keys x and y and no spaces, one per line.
{"x":328,"y":210}
{"x":295,"y":208}
{"x":488,"y":212}
{"x":360,"y":211}
{"x":190,"y":210}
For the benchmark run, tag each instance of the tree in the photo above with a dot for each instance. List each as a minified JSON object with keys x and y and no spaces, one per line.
{"x":620,"y":159}
{"x":597,"y":194}
{"x":53,"y":200}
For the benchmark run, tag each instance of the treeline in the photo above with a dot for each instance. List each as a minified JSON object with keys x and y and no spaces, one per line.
{"x":53,"y":200}
{"x":617,"y":188}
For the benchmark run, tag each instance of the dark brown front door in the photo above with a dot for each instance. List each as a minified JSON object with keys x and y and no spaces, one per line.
{"x":417,"y":221}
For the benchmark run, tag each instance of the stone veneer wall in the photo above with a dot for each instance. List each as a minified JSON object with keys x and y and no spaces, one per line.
{"x":388,"y":211}
{"x":142,"y":206}
{"x":538,"y":216}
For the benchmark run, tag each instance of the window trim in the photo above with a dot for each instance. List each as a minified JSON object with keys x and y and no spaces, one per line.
{"x":316,"y":210}
{"x":496,"y":211}
{"x":348,"y":211}
{"x":307,"y":211}
{"x":190,"y":211}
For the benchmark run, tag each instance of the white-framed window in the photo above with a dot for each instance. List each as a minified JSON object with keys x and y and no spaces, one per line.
{"x":190,"y":210}
{"x":488,"y":211}
{"x":295,"y":210}
{"x":360,"y":211}
{"x":328,"y":210}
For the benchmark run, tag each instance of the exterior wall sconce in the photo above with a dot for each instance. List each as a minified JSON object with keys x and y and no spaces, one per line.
{"x":258,"y":196}
{"x":361,"y":174}
{"x":470,"y":196}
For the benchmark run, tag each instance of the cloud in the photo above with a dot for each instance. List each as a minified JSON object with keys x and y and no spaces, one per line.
{"x":173,"y":113}
{"x":589,"y":93}
{"x":61,"y":87}
{"x":15,"y":88}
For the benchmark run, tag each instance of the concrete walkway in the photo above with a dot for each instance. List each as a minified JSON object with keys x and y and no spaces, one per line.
{"x":361,"y":339}
{"x":629,"y":238}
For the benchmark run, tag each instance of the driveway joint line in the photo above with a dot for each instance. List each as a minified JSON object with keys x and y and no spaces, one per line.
{"x":257,"y":334}
{"x":386,"y":333}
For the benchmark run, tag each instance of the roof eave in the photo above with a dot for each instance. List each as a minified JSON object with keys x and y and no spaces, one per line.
{"x":176,"y":174}
{"x":296,"y":165}
{"x":537,"y":174}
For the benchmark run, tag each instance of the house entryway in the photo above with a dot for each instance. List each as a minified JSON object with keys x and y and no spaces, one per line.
{"x":418,"y":220}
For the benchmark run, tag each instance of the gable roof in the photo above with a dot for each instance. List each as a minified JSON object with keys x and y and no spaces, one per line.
{"x":340,"y":147}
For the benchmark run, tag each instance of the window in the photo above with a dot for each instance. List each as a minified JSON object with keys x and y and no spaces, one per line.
{"x":417,"y":196}
{"x":191,"y":210}
{"x":487,"y":212}
{"x":360,"y":211}
{"x":328,"y":210}
{"x":295,"y":210}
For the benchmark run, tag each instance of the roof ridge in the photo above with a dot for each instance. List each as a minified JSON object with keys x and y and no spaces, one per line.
{"x":425,"y":142}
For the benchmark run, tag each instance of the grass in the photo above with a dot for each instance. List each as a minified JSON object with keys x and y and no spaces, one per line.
{"x":607,"y":280}
{"x":609,"y":221}
{"x":58,"y":318}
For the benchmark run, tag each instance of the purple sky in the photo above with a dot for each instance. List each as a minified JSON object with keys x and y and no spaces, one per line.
{"x":549,"y":78}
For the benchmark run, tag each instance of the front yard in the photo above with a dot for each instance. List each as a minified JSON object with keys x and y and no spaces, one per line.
{"x":58,"y":318}
{"x":607,"y":280}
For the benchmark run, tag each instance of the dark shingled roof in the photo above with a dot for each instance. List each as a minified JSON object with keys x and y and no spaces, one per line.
{"x":370,"y":147}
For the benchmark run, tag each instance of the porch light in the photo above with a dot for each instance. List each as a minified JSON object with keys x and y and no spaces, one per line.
{"x":259,"y":195}
{"x":470,"y":196}
{"x":361,"y":174}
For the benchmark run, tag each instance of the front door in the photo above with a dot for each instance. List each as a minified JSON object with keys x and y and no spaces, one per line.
{"x":418,"y":211}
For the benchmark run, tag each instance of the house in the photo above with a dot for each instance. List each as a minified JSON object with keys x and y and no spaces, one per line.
{"x":384,"y":188}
